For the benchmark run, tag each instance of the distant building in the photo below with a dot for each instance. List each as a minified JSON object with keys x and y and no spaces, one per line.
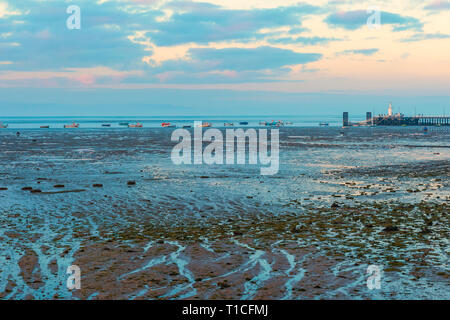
{"x":345,"y":119}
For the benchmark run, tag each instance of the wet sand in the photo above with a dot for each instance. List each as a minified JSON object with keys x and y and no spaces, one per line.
{"x":340,"y":202}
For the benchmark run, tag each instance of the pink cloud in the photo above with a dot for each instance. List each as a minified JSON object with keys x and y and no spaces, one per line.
{"x":44,"y":35}
{"x":438,"y":5}
{"x":86,"y":79}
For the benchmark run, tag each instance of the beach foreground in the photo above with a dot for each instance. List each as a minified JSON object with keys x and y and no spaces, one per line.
{"x":139,"y":227}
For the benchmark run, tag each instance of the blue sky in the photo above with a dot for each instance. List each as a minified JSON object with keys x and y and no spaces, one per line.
{"x":158,"y":57}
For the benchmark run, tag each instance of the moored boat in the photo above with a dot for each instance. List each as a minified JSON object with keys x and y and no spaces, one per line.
{"x":243,"y":123}
{"x":324,"y":124}
{"x":106,"y":125}
{"x":124,"y":123}
{"x":167,"y":125}
{"x":205,"y":125}
{"x":228,"y":124}
{"x":275,"y":123}
{"x":137,"y":125}
{"x":44,"y":127}
{"x":73,"y":125}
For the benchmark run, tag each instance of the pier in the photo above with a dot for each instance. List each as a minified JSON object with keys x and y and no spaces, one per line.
{"x":398,"y":119}
{"x":433,"y":121}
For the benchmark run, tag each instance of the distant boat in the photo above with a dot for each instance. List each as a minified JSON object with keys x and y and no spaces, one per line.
{"x":73,"y":125}
{"x":278,"y":123}
{"x":263,"y":123}
{"x":187,"y":126}
{"x":205,"y":125}
{"x":167,"y":125}
{"x":289,"y":123}
{"x":228,"y":124}
{"x":324,"y":124}
{"x":243,"y":123}
{"x":124,"y":123}
{"x":137,"y":125}
{"x":106,"y":125}
{"x":44,"y":127}
{"x":3,"y":126}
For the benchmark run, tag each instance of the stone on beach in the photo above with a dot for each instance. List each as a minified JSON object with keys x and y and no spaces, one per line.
{"x":335,"y":205}
{"x":297,"y":228}
{"x":391,"y":229}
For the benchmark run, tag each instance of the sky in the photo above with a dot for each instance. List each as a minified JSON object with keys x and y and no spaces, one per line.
{"x":224,"y":57}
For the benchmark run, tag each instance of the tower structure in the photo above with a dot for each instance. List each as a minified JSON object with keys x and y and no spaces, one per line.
{"x":345,"y":122}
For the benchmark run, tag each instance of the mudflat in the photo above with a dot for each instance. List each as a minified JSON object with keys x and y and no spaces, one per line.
{"x":139,"y":227}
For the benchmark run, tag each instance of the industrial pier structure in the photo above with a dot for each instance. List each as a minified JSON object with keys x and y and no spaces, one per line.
{"x":398,"y":119}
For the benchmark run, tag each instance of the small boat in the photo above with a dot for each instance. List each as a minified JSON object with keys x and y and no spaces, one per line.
{"x":124,"y":123}
{"x":187,"y":126}
{"x":205,"y":125}
{"x":289,"y":123}
{"x":106,"y":125}
{"x":324,"y":124}
{"x":228,"y":124}
{"x":3,"y":126}
{"x":167,"y":125}
{"x":243,"y":123}
{"x":44,"y":127}
{"x":278,"y":123}
{"x":73,"y":125}
{"x":263,"y":123}
{"x":137,"y":125}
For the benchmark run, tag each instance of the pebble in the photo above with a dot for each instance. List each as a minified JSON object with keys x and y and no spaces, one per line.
{"x":335,"y":205}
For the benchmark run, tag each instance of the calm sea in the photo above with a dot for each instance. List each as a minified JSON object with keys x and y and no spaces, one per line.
{"x":217,"y":121}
